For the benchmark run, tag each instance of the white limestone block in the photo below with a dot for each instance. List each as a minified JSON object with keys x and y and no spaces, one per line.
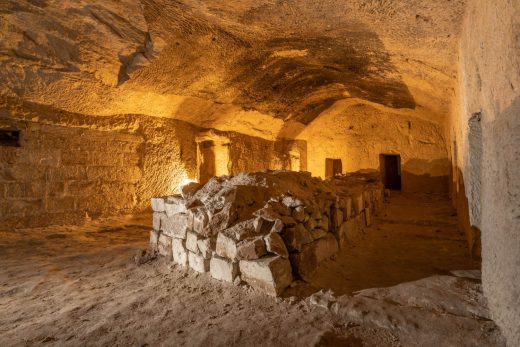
{"x":197,"y":262}
{"x":191,"y":242}
{"x":157,"y":204}
{"x":272,"y":275}
{"x":180,"y":255}
{"x":223,"y":269}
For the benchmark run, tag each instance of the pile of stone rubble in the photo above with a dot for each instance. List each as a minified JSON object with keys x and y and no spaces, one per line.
{"x":265,"y":229}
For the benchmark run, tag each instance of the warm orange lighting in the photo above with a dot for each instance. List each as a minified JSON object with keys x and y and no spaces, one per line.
{"x":185,"y":181}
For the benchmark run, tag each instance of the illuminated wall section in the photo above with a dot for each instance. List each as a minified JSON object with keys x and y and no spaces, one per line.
{"x":359,"y":133}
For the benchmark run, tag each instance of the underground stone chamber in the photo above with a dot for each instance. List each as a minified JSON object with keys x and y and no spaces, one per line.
{"x":316,"y":173}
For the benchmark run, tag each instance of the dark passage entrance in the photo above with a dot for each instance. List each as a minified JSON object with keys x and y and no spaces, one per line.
{"x":391,"y":170}
{"x":333,"y":167}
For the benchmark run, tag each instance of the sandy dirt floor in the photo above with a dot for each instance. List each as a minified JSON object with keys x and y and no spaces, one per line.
{"x":80,"y":286}
{"x":415,"y":237}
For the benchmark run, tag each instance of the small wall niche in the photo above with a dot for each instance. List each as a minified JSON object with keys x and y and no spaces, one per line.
{"x":333,"y":167}
{"x":9,"y":137}
{"x":213,"y":158}
{"x":295,"y":160}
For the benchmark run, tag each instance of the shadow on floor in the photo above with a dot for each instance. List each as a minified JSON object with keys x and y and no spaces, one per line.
{"x":413,"y":237}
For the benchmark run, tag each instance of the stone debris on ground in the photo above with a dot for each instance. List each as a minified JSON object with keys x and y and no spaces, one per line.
{"x":421,"y":313}
{"x":323,"y":299}
{"x":265,"y":229}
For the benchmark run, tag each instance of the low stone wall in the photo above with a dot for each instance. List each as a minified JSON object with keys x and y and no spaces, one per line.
{"x":69,"y":167}
{"x":265,"y":229}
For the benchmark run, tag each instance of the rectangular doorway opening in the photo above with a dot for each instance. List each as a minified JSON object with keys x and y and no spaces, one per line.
{"x":333,"y":167}
{"x":391,"y":170}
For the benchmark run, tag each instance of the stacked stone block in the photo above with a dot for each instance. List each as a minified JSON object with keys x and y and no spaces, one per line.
{"x":59,"y":174}
{"x":239,"y":233}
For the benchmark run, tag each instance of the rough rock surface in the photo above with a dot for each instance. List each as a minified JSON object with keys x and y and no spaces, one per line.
{"x":485,"y":138}
{"x":289,"y":59}
{"x":421,"y":313}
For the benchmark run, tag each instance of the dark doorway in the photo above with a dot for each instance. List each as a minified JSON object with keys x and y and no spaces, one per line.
{"x":333,"y":167}
{"x":391,"y":170}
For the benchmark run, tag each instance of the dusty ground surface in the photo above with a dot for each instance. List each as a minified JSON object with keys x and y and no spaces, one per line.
{"x":415,"y":237}
{"x":80,"y":286}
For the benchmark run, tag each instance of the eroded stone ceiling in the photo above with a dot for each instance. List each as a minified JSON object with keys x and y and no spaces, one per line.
{"x":287,"y":59}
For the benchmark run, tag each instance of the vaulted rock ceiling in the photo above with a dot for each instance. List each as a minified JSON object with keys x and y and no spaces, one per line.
{"x":287,"y":59}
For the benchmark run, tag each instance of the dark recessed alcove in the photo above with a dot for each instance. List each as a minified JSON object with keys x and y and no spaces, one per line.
{"x":10,"y":137}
